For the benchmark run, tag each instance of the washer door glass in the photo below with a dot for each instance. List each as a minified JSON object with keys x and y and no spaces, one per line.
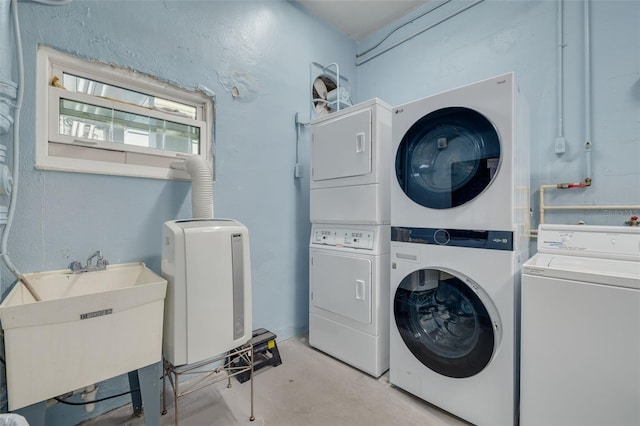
{"x":444,"y":323}
{"x":448,"y":157}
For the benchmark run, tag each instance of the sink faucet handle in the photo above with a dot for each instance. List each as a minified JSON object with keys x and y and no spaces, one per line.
{"x":97,"y":254}
{"x":75,"y":265}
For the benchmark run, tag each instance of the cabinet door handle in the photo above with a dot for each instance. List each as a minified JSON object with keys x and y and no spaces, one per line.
{"x":360,"y":142}
{"x":360,"y":295}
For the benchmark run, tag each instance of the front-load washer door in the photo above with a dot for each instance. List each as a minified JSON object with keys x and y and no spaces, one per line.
{"x":447,"y":322}
{"x":448,"y":158}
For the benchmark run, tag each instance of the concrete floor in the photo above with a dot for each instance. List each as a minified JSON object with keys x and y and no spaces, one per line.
{"x":309,"y":388}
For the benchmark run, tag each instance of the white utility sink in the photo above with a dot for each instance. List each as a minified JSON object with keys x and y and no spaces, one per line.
{"x":86,"y":328}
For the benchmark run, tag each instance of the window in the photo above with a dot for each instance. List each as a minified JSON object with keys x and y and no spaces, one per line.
{"x":96,"y":118}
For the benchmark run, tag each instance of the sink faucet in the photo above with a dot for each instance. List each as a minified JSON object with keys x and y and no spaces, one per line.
{"x":101,"y":264}
{"x":97,"y":254}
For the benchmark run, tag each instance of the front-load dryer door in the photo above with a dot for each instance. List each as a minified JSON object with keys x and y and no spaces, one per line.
{"x":448,"y":158}
{"x":341,"y":285}
{"x":447,"y":322}
{"x":342,"y":148}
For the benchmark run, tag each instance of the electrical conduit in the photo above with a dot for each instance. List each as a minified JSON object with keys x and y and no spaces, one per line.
{"x":587,"y":91}
{"x":414,"y":35}
{"x":587,"y":117}
{"x":560,"y":94}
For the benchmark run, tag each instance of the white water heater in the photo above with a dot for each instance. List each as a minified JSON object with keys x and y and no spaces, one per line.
{"x":208,"y":303}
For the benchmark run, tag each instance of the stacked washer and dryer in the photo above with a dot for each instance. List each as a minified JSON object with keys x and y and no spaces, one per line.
{"x":459,"y":216}
{"x":349,"y":247}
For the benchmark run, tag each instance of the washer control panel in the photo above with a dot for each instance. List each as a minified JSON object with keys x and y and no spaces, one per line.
{"x":493,"y":240}
{"x":619,"y":242}
{"x":343,"y":237}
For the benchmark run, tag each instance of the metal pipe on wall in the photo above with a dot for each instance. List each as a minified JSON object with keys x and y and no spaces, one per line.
{"x":543,"y":207}
{"x":375,"y":46}
{"x":587,"y":89}
{"x":587,"y":119}
{"x":414,"y":35}
{"x":560,"y":93}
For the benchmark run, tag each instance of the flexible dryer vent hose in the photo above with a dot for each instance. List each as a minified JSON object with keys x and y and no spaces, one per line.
{"x":201,"y":187}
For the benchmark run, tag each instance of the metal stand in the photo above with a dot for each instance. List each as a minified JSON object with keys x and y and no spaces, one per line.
{"x":173,"y":373}
{"x":265,"y":353}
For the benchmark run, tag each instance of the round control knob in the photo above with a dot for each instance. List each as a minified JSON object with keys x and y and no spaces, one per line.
{"x":441,"y":236}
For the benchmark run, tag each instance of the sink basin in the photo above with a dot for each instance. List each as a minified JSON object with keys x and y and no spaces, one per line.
{"x":86,"y":328}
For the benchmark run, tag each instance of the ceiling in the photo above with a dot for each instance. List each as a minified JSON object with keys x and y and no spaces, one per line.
{"x":359,"y":18}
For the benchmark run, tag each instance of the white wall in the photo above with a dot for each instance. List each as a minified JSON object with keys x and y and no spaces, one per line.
{"x":263,"y":48}
{"x":495,"y":37}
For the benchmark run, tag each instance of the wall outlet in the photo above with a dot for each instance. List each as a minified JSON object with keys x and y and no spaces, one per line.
{"x":560,"y":145}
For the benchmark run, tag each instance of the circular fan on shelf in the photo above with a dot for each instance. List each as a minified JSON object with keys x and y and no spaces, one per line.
{"x":322,"y":85}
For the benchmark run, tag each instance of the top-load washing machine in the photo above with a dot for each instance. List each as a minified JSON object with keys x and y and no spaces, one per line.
{"x":580,"y":347}
{"x":461,"y":159}
{"x":350,"y":150}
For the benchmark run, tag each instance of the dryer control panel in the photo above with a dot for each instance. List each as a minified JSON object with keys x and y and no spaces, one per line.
{"x":344,"y":237}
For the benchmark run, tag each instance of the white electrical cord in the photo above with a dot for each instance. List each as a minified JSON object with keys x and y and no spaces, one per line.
{"x":16,"y":144}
